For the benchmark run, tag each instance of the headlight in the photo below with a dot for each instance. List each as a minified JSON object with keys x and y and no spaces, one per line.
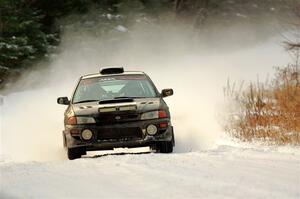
{"x":85,"y":120}
{"x":149,"y":115}
{"x":86,"y":134}
{"x":80,"y":120}
{"x":151,"y":129}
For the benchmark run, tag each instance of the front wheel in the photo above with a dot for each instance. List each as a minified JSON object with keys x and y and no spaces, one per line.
{"x":166,"y":147}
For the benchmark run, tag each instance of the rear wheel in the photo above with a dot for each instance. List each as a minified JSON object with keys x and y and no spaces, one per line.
{"x":75,"y":153}
{"x":166,"y":147}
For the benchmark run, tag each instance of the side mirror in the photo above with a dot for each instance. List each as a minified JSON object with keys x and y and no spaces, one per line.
{"x":167,"y":92}
{"x":63,"y":100}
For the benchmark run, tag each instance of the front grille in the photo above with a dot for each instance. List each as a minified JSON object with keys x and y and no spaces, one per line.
{"x":119,"y":133}
{"x":116,"y":118}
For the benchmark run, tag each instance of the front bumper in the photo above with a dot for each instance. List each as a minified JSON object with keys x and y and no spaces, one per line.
{"x":164,"y":134}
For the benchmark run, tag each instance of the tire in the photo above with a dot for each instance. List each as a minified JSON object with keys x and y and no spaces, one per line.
{"x":153,"y":147}
{"x":75,"y":153}
{"x":166,"y":147}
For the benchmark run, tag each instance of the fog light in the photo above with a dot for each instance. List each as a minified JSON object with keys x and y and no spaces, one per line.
{"x":75,"y":132}
{"x":86,"y":134}
{"x":151,"y":129}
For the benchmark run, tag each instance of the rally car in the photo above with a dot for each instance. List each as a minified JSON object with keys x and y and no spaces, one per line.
{"x":116,"y":108}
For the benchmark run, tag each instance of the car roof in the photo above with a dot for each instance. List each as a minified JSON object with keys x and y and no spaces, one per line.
{"x":114,"y":74}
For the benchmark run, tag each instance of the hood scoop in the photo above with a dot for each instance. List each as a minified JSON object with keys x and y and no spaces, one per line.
{"x":116,"y":101}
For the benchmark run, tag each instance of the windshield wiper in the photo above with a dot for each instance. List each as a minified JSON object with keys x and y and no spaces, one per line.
{"x":83,"y":101}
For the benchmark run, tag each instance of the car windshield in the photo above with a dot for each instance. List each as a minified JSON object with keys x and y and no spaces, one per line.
{"x":113,"y":87}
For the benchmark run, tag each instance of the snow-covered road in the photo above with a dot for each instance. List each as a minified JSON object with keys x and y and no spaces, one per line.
{"x":225,"y":172}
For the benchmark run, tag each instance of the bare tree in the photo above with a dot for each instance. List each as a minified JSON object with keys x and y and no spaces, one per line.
{"x":295,"y":45}
{"x":193,"y":10}
{"x":190,"y":6}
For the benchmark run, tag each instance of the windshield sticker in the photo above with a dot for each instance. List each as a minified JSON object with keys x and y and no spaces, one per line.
{"x":88,"y":81}
{"x":107,"y":79}
{"x":104,"y":79}
{"x":131,"y":77}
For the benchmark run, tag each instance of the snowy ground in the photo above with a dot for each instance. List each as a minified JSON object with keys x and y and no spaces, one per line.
{"x":225,"y":172}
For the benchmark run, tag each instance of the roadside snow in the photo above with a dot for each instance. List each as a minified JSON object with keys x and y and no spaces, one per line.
{"x":226,"y":172}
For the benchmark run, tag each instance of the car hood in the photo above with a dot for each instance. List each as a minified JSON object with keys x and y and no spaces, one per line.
{"x":92,"y":108}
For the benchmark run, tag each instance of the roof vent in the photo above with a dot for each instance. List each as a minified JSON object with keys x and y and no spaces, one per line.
{"x":107,"y":71}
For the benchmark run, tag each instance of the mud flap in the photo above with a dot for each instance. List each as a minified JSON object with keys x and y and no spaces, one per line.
{"x":173,"y":137}
{"x":64,"y":140}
